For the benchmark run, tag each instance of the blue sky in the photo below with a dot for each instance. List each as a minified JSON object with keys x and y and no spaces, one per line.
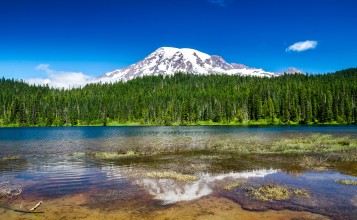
{"x":97,"y":36}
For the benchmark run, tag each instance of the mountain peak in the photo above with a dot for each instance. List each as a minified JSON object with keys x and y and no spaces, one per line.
{"x":293,"y":70}
{"x":171,"y":51}
{"x":169,"y":60}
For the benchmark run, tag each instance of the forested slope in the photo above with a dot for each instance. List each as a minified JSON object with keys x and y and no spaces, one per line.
{"x":186,"y":99}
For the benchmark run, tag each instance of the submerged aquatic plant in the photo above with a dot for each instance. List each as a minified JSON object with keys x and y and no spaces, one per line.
{"x":348,"y":182}
{"x":8,"y":190}
{"x":269,"y":192}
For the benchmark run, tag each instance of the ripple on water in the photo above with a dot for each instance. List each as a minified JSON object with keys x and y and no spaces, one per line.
{"x":59,"y":179}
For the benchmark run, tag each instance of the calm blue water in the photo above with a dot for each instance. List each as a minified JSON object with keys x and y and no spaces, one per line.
{"x":69,"y":133}
{"x":61,"y":141}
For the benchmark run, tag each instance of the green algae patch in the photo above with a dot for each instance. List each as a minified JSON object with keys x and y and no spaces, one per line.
{"x":348,"y":182}
{"x":271,"y":192}
{"x":171,"y":175}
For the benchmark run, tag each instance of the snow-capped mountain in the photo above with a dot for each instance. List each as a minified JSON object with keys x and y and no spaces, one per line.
{"x":293,"y":70}
{"x":169,"y":60}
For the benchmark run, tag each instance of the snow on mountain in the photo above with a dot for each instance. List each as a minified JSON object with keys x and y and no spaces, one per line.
{"x":169,"y":60}
{"x":293,"y":70}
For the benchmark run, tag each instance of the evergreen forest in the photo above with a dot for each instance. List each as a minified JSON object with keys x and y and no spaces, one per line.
{"x":186,"y":99}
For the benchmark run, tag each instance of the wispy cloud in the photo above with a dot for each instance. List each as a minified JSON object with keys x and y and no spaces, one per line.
{"x":302,"y":46}
{"x":221,"y":3}
{"x":61,"y":79}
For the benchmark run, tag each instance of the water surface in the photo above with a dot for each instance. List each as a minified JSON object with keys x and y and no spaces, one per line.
{"x":53,"y":165}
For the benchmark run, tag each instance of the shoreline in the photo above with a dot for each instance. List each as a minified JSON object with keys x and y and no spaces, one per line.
{"x":137,"y":124}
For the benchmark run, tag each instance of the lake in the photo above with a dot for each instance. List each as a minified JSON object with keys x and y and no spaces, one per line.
{"x":97,"y":172}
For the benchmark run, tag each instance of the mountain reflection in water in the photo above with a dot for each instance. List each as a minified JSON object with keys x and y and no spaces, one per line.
{"x":170,"y":191}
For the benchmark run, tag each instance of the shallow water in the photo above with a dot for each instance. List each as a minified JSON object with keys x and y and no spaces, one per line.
{"x":46,"y":163}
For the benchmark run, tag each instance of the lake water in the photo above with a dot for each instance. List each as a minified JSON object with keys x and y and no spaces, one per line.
{"x":56,"y":165}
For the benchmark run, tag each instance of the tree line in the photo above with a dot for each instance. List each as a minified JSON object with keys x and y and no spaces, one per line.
{"x":186,"y":99}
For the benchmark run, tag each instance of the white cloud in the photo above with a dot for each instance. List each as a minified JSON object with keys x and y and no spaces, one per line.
{"x":302,"y":46}
{"x":218,"y":2}
{"x":61,"y":79}
{"x":43,"y":67}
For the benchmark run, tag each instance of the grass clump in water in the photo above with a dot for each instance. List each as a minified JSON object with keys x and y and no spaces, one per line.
{"x":271,"y":192}
{"x":340,"y":148}
{"x":112,"y":155}
{"x":171,"y":175}
{"x":78,"y":155}
{"x":314,"y":143}
{"x":348,"y":182}
{"x":11,"y":157}
{"x":231,"y":186}
{"x":303,"y":193}
{"x":314,"y":163}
